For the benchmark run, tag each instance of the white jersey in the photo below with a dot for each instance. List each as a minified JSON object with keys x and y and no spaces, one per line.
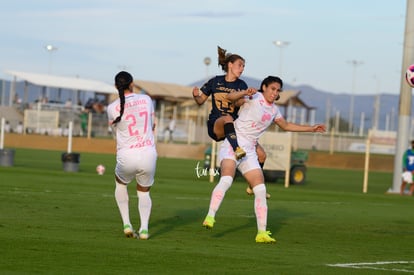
{"x":255,"y":116}
{"x":135,"y":128}
{"x":136,"y":155}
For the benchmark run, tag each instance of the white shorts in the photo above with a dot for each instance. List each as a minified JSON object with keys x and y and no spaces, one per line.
{"x":137,"y":163}
{"x":407,"y":176}
{"x":244,"y":165}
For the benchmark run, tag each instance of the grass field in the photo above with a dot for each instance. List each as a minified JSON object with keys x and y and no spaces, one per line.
{"x":55,"y":222}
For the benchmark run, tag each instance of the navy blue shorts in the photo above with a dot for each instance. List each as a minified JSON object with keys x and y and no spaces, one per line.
{"x":210,"y":130}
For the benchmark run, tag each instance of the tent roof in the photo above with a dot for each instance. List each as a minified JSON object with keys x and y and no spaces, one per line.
{"x":166,"y":91}
{"x":72,"y":83}
{"x":291,"y":98}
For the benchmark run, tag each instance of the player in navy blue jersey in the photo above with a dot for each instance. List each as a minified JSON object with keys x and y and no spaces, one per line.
{"x":224,"y":111}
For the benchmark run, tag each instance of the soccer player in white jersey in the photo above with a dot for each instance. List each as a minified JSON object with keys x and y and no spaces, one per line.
{"x":132,"y":120}
{"x":256,"y":114}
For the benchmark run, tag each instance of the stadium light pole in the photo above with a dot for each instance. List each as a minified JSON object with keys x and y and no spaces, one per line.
{"x":281,"y":45}
{"x":355,"y":64}
{"x":375,"y":122}
{"x":405,"y":99}
{"x":207,"y":62}
{"x":50,"y":49}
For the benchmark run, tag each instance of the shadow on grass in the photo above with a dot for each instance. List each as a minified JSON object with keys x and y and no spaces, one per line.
{"x":279,"y":217}
{"x":180,"y":219}
{"x":250,"y":223}
{"x":275,"y":222}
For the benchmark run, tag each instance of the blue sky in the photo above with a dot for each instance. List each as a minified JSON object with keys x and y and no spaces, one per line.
{"x":167,"y":41}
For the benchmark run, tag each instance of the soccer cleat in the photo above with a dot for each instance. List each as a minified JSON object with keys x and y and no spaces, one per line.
{"x":129,"y":233}
{"x":143,"y":235}
{"x":239,"y":153}
{"x":264,"y":237}
{"x":209,"y":222}
{"x":249,"y":192}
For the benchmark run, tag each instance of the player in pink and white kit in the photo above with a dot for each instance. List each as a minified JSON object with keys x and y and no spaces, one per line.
{"x":132,"y":119}
{"x":256,"y":114}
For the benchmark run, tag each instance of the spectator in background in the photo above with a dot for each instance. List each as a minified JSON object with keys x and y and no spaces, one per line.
{"x":89,"y":103}
{"x":408,"y":170}
{"x":44,"y":100}
{"x":7,"y":127}
{"x":19,"y":128}
{"x":60,"y":130}
{"x":84,"y":121}
{"x":170,"y":129}
{"x":68,"y":103}
{"x":17,"y":99}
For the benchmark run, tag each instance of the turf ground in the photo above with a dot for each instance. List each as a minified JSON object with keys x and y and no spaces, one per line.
{"x":55,"y":222}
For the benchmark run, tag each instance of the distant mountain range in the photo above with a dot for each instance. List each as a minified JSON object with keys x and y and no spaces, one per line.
{"x":323,"y":101}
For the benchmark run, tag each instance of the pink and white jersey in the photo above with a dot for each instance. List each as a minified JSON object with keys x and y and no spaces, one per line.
{"x":135,"y":128}
{"x":255,"y":116}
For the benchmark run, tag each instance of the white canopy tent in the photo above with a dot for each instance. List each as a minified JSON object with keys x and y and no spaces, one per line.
{"x":73,"y":83}
{"x":60,"y":82}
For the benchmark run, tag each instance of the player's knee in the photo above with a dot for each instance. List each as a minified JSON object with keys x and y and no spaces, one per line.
{"x":227,"y":119}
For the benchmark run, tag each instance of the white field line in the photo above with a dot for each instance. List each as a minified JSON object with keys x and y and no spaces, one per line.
{"x":372,"y":266}
{"x":247,"y":198}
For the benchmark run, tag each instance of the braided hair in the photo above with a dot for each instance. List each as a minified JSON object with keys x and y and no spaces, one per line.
{"x":224,"y":59}
{"x":122,"y":82}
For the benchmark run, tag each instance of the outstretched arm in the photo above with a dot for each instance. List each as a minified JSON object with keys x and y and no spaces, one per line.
{"x":293,"y":127}
{"x":238,"y":96}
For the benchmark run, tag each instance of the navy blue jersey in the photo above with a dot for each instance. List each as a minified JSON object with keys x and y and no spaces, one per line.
{"x":218,"y":88}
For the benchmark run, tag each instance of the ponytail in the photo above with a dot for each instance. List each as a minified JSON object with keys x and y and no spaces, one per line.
{"x":122,"y":81}
{"x":224,"y":58}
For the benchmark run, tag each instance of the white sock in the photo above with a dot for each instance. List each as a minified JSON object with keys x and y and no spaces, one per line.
{"x":260,"y":206}
{"x":218,"y":193}
{"x":144,"y":209}
{"x":122,"y":200}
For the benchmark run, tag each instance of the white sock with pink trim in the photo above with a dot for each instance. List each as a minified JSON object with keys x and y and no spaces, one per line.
{"x":218,"y":193}
{"x":122,"y":200}
{"x":260,"y":206}
{"x":144,"y":209}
